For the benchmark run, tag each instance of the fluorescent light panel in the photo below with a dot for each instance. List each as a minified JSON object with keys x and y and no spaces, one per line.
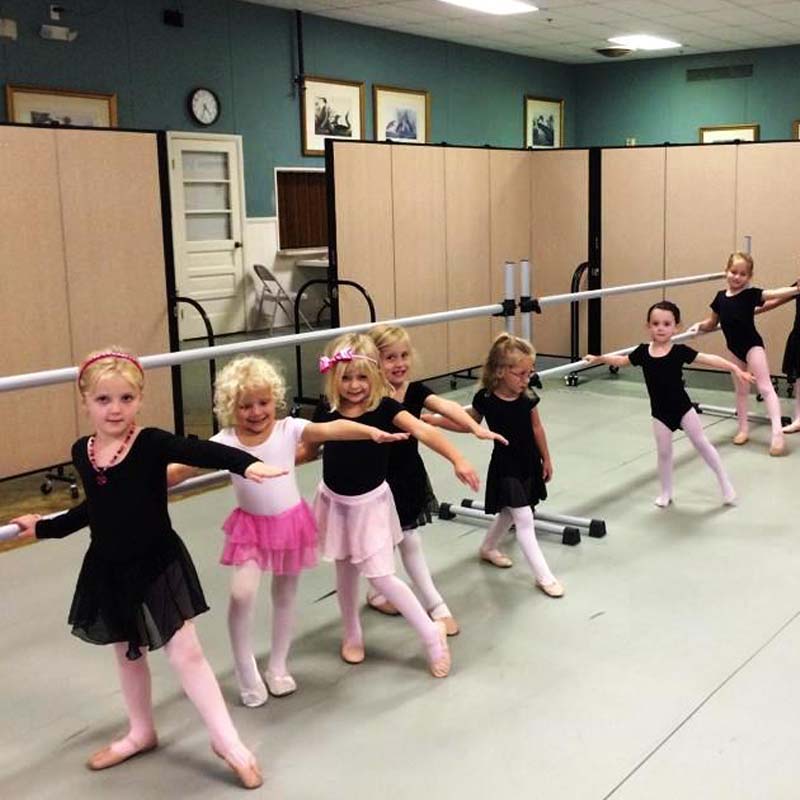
{"x":642,"y":41}
{"x":494,"y":6}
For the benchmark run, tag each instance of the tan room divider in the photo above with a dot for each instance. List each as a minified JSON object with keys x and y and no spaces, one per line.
{"x":82,"y":249}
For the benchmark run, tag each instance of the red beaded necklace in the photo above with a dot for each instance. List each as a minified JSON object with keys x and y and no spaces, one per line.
{"x":100,"y":472}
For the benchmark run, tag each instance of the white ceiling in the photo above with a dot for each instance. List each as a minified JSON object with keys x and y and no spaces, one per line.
{"x":570,"y":30}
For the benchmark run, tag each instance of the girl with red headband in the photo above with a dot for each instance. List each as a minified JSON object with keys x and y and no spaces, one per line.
{"x":137,"y":587}
{"x":356,"y":514}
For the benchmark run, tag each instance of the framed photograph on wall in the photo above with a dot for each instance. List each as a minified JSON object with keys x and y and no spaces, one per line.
{"x":714,"y":134}
{"x":796,"y":129}
{"x":60,"y":107}
{"x":401,"y":115}
{"x":544,"y":122}
{"x":330,"y":109}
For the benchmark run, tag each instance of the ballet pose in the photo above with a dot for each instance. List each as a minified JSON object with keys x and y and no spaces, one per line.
{"x":662,"y":363}
{"x":355,"y":511}
{"x":408,"y":480}
{"x":137,"y":587}
{"x":734,"y":309}
{"x":272,"y":529}
{"x":519,"y":470}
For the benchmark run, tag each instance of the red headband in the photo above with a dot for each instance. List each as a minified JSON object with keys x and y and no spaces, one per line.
{"x":109,"y":354}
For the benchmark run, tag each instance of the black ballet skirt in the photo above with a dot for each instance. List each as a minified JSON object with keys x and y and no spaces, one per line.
{"x":515,"y":477}
{"x":791,"y":355}
{"x":413,"y":495}
{"x":137,"y":583}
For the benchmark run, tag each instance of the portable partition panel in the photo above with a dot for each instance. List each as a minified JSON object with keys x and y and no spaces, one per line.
{"x":82,"y":222}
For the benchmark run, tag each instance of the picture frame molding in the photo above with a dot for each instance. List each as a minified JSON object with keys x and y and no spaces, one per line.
{"x":13,"y":89}
{"x":380,"y":87}
{"x":753,"y":127}
{"x":559,"y":101}
{"x":306,"y":150}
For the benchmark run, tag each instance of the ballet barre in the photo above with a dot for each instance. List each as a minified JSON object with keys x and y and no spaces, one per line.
{"x":506,"y":309}
{"x":219,"y":477}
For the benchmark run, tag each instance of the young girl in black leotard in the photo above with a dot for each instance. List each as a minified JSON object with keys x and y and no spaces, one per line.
{"x":407,"y":477}
{"x":734,"y":308}
{"x":662,"y":363}
{"x":137,"y":587}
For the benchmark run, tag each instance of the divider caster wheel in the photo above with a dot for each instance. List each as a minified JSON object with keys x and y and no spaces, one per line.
{"x":613,"y":370}
{"x":571,"y":380}
{"x":453,"y":383}
{"x":73,"y":491}
{"x":46,"y":487}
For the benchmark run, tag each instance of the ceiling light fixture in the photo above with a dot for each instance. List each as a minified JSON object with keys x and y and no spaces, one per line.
{"x":494,"y":6}
{"x":642,"y":41}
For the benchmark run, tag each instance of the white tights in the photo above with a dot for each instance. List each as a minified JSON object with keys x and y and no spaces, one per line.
{"x":241,"y":610}
{"x":690,"y":423}
{"x":522,"y":519}
{"x":397,"y":593}
{"x":417,"y":569}
{"x":757,"y":365}
{"x":198,"y":681}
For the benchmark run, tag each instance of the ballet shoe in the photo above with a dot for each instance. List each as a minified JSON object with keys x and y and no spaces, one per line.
{"x":729,"y":499}
{"x":249,"y":774}
{"x":252,"y":697}
{"x":554,"y":589}
{"x":451,"y":626}
{"x":496,"y":558}
{"x":793,"y":427}
{"x":352,"y":653}
{"x":440,"y":668}
{"x":662,"y":502}
{"x":777,"y":448}
{"x":384,"y":607}
{"x":280,"y":685}
{"x":107,"y":757}
{"x":741,"y":438}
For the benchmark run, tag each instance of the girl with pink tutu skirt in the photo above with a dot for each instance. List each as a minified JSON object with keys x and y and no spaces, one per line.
{"x":272,"y":528}
{"x":354,"y":507}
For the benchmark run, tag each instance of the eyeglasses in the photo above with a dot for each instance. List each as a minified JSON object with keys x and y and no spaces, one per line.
{"x":522,"y":375}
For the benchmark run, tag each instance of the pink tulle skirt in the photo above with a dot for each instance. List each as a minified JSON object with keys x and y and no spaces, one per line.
{"x":284,"y":544}
{"x":362,"y":529}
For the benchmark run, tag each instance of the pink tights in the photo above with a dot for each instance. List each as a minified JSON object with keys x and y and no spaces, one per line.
{"x":759,"y":368}
{"x":694,"y":431}
{"x":397,"y":593}
{"x":198,"y":681}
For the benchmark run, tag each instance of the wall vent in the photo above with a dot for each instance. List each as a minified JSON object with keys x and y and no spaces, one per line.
{"x":720,"y":73}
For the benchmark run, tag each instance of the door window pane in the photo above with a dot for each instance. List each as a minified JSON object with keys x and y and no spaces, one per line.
{"x":199,"y":165}
{"x":208,"y":227}
{"x":206,"y":196}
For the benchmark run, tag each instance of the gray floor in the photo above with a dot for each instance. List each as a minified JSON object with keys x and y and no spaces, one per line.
{"x":669,"y":670}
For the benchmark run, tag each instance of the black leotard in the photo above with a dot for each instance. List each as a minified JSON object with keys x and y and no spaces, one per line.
{"x":736,"y":318}
{"x":515,"y":476}
{"x":791,"y":355}
{"x":664,"y":378}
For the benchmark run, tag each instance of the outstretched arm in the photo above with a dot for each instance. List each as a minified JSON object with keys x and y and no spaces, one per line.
{"x":705,"y":326}
{"x":317,"y":432}
{"x":611,"y":360}
{"x":439,"y":421}
{"x":464,"y":421}
{"x":718,"y":362}
{"x":781,"y":293}
{"x":541,"y":442}
{"x":429,"y":436}
{"x":771,"y":305}
{"x":178,"y":473}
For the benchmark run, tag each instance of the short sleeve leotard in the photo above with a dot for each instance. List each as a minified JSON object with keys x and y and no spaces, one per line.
{"x":663,"y":376}
{"x":407,"y":478}
{"x":515,"y":476}
{"x":736,"y":318}
{"x":137,"y":583}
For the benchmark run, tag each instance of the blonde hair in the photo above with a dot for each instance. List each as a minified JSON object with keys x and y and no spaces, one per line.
{"x":386,"y":335}
{"x":108,"y":362}
{"x":240,"y":376}
{"x":739,"y":255}
{"x":501,"y":354}
{"x":360,"y":345}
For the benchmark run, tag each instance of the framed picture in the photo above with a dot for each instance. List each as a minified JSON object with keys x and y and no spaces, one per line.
{"x":401,"y":115}
{"x":796,"y":129}
{"x":714,"y":134}
{"x":60,"y":107}
{"x":544,"y":122}
{"x":330,"y":109}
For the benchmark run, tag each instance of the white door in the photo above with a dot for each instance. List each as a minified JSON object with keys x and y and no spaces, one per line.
{"x":207,"y":205}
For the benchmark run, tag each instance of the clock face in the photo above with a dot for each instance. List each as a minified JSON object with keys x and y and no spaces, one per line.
{"x":204,"y":105}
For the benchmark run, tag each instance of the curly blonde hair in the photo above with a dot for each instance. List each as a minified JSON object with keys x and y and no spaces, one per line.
{"x":361,"y":345}
{"x":240,"y":376}
{"x":506,"y":351}
{"x":104,"y":363}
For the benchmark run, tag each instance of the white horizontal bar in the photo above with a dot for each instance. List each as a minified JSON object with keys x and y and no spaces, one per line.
{"x":544,"y":516}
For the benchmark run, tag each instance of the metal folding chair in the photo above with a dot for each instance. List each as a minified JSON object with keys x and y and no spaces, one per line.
{"x":273,"y":292}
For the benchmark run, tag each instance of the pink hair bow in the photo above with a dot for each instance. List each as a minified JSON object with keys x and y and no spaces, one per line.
{"x":347,"y":354}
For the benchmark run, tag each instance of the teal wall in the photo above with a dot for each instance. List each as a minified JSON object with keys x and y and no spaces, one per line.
{"x":246,"y":54}
{"x":653,"y":102}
